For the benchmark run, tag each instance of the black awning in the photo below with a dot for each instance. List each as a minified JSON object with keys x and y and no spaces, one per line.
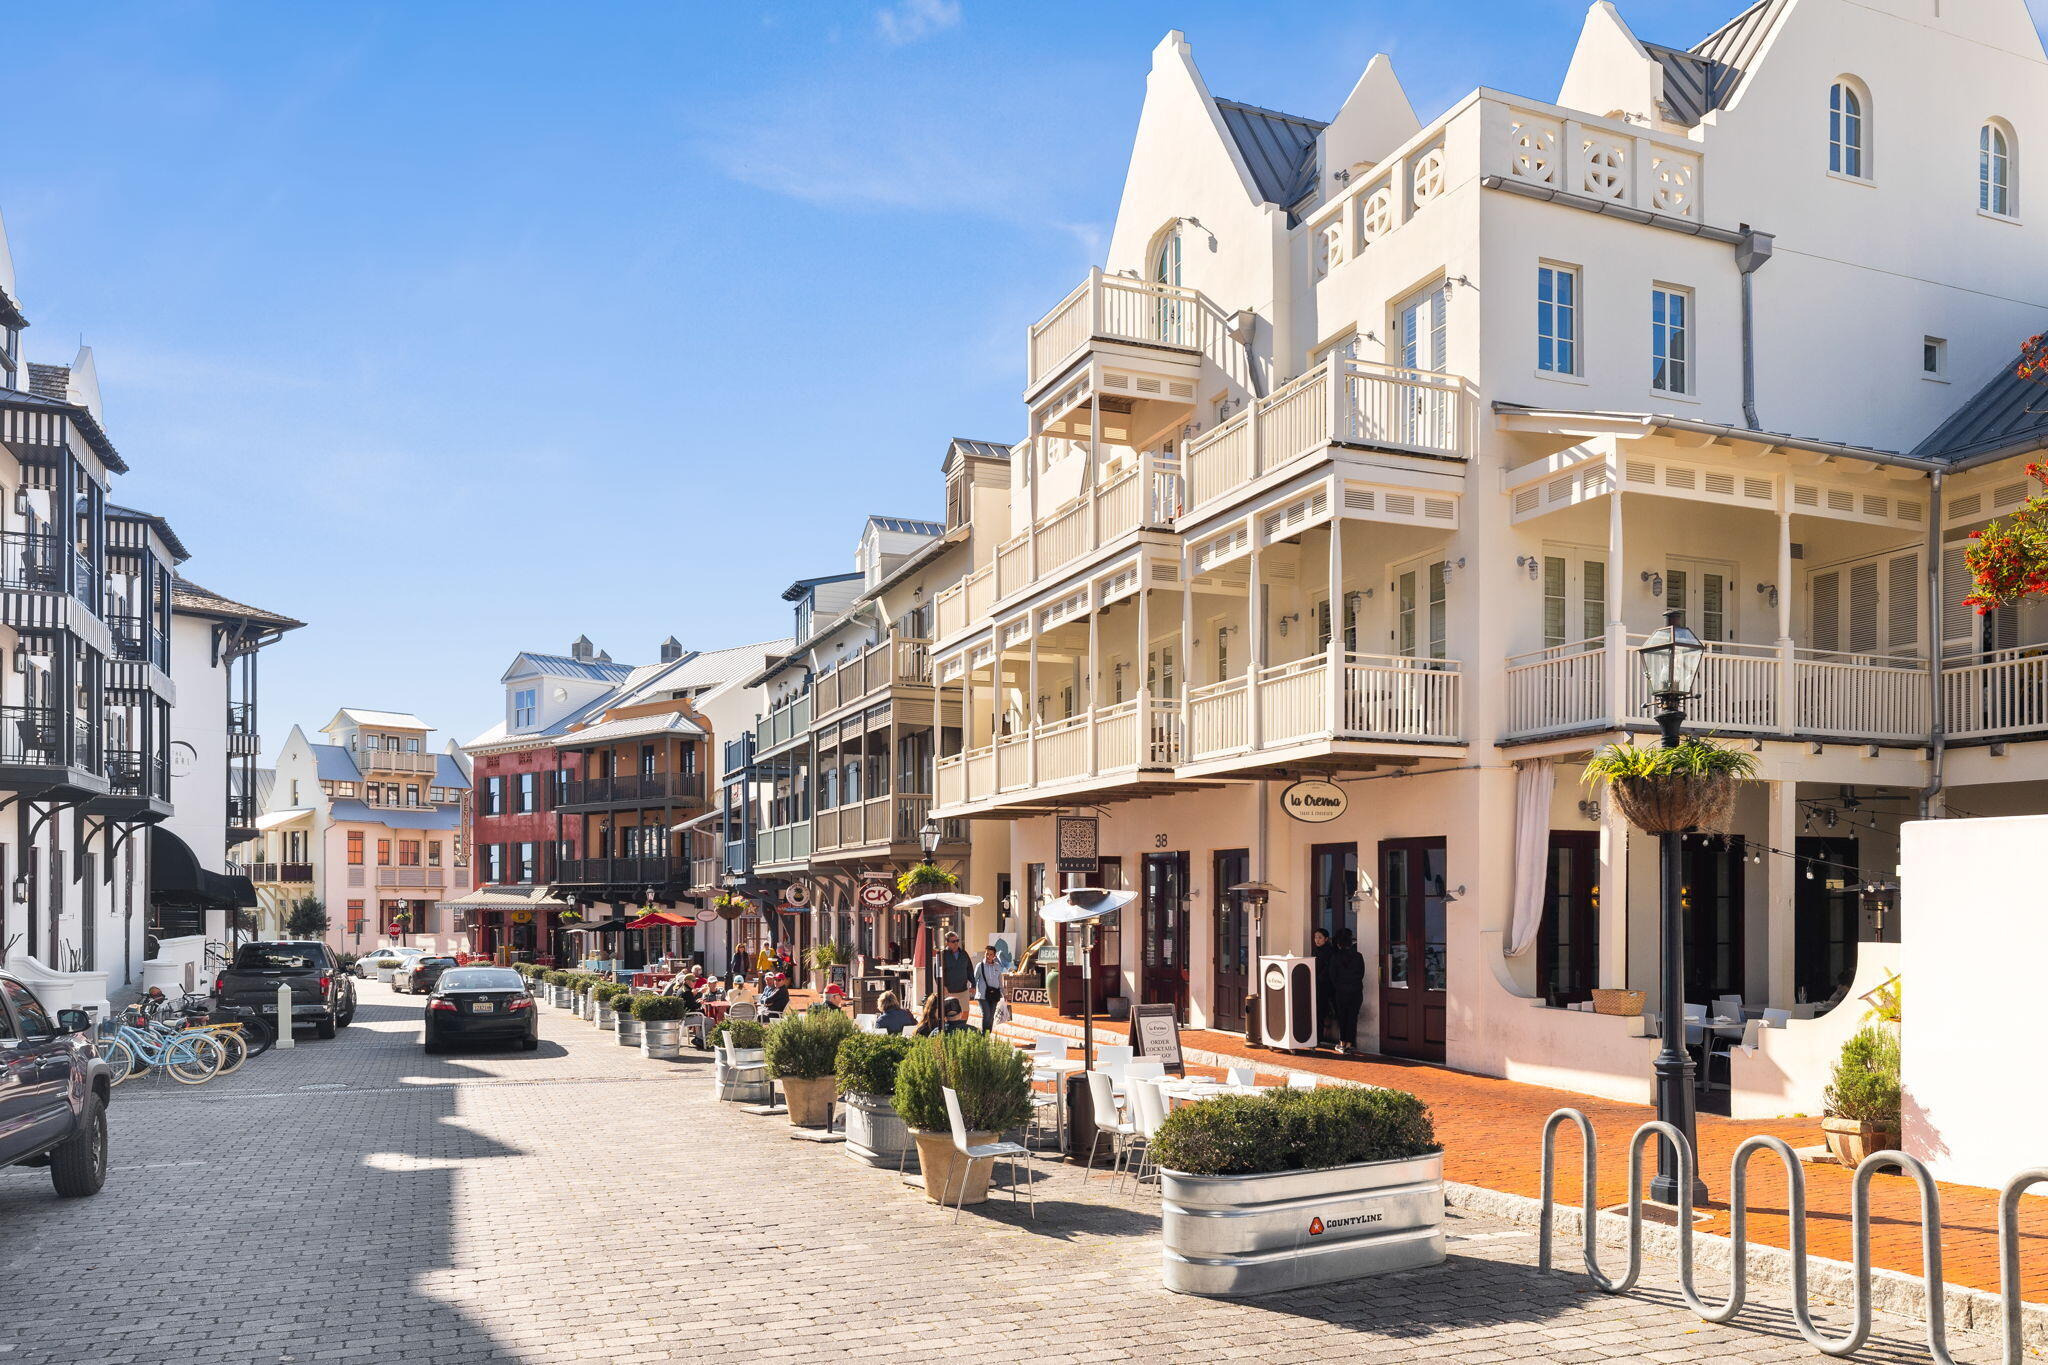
{"x":602,"y":926}
{"x":177,"y":879}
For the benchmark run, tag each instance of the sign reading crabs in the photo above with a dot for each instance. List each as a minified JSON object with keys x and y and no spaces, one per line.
{"x":1314,"y":801}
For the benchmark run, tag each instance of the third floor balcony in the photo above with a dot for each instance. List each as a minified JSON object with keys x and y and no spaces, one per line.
{"x":783,"y":726}
{"x":897,"y":661}
{"x":372,"y":757}
{"x":632,"y":789}
{"x":1154,"y":319}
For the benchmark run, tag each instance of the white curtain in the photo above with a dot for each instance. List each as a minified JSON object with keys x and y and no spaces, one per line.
{"x":1534,"y":779}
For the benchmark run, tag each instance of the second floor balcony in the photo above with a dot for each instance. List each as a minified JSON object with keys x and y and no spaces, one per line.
{"x":631,"y":789}
{"x":46,"y":737}
{"x":879,"y":823}
{"x":624,"y":872}
{"x":783,"y":726}
{"x":281,"y":874}
{"x":780,"y":844}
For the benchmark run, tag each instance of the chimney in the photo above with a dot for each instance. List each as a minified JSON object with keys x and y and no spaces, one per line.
{"x":582,"y":651}
{"x":671,"y":650}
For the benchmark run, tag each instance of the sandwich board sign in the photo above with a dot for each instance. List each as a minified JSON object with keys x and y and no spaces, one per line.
{"x":1155,"y":1033}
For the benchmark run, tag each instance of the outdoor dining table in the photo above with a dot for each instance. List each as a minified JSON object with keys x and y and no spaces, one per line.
{"x":1178,"y":1093}
{"x":714,"y":1010}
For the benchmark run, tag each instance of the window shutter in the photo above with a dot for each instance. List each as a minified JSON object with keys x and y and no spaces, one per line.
{"x":1827,"y":611}
{"x":1902,"y":603}
{"x":1958,"y":622}
{"x":1323,"y":624}
{"x":1862,"y":608}
{"x":2004,"y":627}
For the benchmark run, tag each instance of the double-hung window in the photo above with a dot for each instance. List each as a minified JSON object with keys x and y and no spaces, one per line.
{"x":1670,"y":339}
{"x":1557,"y":319}
{"x":525,"y":706}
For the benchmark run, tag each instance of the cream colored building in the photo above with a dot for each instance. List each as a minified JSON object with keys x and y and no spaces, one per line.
{"x":1376,"y":446}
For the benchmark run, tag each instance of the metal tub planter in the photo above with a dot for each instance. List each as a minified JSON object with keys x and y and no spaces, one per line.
{"x":741,"y":1075}
{"x":629,"y":1029}
{"x":661,"y":1040}
{"x":1234,"y":1235}
{"x":875,"y":1135}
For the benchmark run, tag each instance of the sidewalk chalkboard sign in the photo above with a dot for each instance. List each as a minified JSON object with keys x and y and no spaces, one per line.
{"x":1155,"y":1033}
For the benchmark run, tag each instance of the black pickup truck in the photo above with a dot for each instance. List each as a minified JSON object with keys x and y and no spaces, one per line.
{"x":323,"y":995}
{"x":53,"y":1092}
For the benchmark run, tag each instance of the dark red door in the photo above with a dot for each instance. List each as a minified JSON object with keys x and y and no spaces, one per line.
{"x":1414,"y":962}
{"x":1163,"y":976}
{"x":1233,"y":939}
{"x":1568,"y":945}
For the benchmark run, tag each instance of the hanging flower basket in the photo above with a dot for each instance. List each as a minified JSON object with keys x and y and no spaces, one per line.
{"x":925,"y":877}
{"x":1671,"y":791}
{"x":730,"y":907}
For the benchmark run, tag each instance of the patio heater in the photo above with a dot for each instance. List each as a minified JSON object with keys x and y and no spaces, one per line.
{"x":1082,"y":906}
{"x":1672,"y":658}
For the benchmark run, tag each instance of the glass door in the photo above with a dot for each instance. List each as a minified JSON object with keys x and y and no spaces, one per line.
{"x":1422,"y":341}
{"x":1414,"y":958}
{"x":1163,"y":974}
{"x":1233,"y":939}
{"x":1568,"y":945}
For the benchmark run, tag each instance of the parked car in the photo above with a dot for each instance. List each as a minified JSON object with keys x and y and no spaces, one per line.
{"x":321,"y":994}
{"x":383,"y":962}
{"x":418,"y":976}
{"x":53,"y":1092}
{"x":480,"y":1004}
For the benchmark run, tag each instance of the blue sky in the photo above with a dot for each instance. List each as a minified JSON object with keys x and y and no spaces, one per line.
{"x":459,"y":329}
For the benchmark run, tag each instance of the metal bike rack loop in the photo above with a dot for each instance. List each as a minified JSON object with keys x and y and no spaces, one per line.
{"x":1738,"y":1204}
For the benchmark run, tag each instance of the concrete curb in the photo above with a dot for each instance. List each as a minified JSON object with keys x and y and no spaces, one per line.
{"x":1892,"y":1292}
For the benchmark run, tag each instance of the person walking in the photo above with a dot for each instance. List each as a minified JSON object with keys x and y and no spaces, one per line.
{"x":956,"y":973}
{"x":988,"y":983}
{"x":1347,"y":990}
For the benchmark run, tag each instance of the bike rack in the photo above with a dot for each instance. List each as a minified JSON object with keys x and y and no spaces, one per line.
{"x":1738,"y":1204}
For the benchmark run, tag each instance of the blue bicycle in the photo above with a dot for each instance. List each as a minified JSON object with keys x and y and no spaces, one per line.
{"x":188,"y":1058}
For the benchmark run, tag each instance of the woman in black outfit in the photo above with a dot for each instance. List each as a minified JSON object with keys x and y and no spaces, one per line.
{"x":1347,"y":988}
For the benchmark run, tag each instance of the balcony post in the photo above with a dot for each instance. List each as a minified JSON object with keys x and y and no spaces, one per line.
{"x":1788,"y":691}
{"x":1255,"y":654}
{"x":1145,"y":668}
{"x":1031,"y":473}
{"x":1182,"y":707}
{"x":1617,"y":660}
{"x":1031,"y":710}
{"x":1782,"y":881}
{"x":1338,"y":649}
{"x":1255,"y":453}
{"x":1091,"y":471}
{"x":1336,"y":399}
{"x":1089,"y":674}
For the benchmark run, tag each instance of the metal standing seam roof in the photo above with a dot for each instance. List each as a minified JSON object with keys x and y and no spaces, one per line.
{"x":562,"y":666}
{"x":441,"y":817}
{"x":2007,"y":411}
{"x":1703,"y":78}
{"x":908,"y":526}
{"x":448,"y":773}
{"x":1279,"y":149}
{"x":633,"y":727}
{"x":401,"y":720}
{"x":988,"y":450}
{"x":333,"y":763}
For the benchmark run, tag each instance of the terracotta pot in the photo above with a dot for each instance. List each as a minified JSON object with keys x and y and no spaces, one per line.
{"x":1673,"y":805}
{"x":810,"y":1100}
{"x":942,"y":1165}
{"x":1851,"y":1140}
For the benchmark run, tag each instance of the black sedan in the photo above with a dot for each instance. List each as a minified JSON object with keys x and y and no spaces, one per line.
{"x":418,"y":976}
{"x":481,"y":1005}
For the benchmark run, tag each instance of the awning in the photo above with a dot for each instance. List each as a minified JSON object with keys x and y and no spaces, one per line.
{"x":661,"y":919}
{"x":534,"y":898}
{"x":603,"y":926}
{"x":275,"y":819}
{"x":177,"y":879}
{"x":697,"y":821}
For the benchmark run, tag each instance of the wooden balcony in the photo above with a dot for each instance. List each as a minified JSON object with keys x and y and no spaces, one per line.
{"x":1113,"y":308}
{"x":2001,"y":693}
{"x":632,"y":789}
{"x":879,"y":824}
{"x":1743,"y":688}
{"x":782,"y":844}
{"x":1339,"y":402}
{"x":1100,"y":749}
{"x":281,"y":874}
{"x":432,"y":877}
{"x":783,"y":726}
{"x":895,"y":662}
{"x":623,"y":872}
{"x":1377,"y":699}
{"x":376,"y":760}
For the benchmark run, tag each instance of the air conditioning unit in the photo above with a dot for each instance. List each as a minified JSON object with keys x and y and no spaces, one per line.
{"x":1287,"y":1003}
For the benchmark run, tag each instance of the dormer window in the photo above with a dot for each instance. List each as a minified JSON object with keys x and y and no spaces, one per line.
{"x":525,"y":707}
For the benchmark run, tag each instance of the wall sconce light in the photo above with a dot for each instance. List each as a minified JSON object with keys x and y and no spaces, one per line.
{"x":21,"y":890}
{"x":1454,"y":893}
{"x":1452,"y":568}
{"x":1655,"y":582}
{"x":1589,"y":810}
{"x":1530,"y":563}
{"x":1366,"y":593}
{"x":1769,"y":591}
{"x":1286,"y":620}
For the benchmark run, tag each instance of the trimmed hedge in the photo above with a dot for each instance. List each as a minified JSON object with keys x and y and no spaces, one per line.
{"x":867,"y":1062}
{"x":806,"y":1046}
{"x":648,"y":1008}
{"x":1294,"y":1130}
{"x":739,"y":1033}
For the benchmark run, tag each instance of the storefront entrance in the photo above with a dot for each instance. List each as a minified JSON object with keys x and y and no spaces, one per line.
{"x":1712,"y":897}
{"x":1163,"y":975}
{"x":1233,"y":939}
{"x":1568,"y":946}
{"x":1829,"y":915}
{"x":1414,"y":963}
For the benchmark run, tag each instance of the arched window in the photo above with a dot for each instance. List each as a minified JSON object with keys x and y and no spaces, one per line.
{"x":1166,"y":256}
{"x":1166,"y":271}
{"x":1848,"y":130}
{"x":1994,"y":169}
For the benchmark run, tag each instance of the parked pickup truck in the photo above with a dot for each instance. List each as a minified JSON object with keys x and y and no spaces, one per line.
{"x":322,"y":994}
{"x":53,"y":1092}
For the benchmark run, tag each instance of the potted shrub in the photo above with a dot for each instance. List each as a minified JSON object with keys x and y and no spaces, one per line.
{"x":1298,"y":1187}
{"x":866,"y":1070}
{"x":623,"y":1019}
{"x":1862,"y":1098}
{"x":823,"y":958}
{"x":802,"y":1052}
{"x":661,"y":1024}
{"x":993,"y":1080}
{"x":1689,"y":786}
{"x":603,"y":994}
{"x":738,"y":1072}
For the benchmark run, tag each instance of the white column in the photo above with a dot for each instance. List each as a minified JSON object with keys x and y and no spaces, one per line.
{"x":1338,"y":672}
{"x":1031,"y":710}
{"x":1782,"y":881}
{"x":1788,"y":696}
{"x":1093,"y":670}
{"x":1613,"y":965}
{"x":1255,"y":653}
{"x":1617,"y":632}
{"x":1144,"y":667}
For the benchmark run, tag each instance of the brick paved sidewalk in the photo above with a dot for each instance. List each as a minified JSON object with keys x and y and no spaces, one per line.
{"x":1491,"y":1129}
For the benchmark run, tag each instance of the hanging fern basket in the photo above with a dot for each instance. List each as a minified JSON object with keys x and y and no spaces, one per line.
{"x":1674,"y":804}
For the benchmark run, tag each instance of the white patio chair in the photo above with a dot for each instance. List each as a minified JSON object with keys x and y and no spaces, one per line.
{"x":1115,"y":1056}
{"x":1777,"y":1018}
{"x":1108,"y":1121}
{"x":1047,"y":1046}
{"x":990,"y":1152}
{"x":1695,"y":1017}
{"x":865,"y":1023}
{"x":1725,"y":1055}
{"x":1148,"y":1111}
{"x":1728,"y":1006}
{"x":1242,"y":1075}
{"x":744,"y":1012}
{"x":1301,"y":1080}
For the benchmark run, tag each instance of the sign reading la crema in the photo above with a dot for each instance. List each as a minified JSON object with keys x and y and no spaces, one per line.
{"x":1314,"y":801}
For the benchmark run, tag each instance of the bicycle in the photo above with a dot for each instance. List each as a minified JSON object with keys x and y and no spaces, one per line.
{"x":188,"y":1058}
{"x":243,"y":1032}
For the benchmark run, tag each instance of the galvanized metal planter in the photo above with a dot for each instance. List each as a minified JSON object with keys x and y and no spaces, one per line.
{"x":629,"y":1031}
{"x":661,"y":1039}
{"x":875,"y":1135}
{"x":605,"y":1018}
{"x":748,"y":1062}
{"x":1233,"y":1235}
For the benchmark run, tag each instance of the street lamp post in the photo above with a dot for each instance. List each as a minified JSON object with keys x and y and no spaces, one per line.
{"x":928,"y":835}
{"x":1672,"y":658}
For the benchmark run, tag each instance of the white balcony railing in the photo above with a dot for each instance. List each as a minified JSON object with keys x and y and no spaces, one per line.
{"x":1755,"y":689}
{"x":1115,"y":308}
{"x":1108,"y":742}
{"x":1419,"y":411}
{"x":1384,"y":697}
{"x":2003,"y":692}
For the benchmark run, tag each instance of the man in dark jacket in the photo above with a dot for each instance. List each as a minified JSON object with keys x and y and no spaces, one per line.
{"x":956,"y":973}
{"x":1325,"y":954}
{"x":1347,"y":988}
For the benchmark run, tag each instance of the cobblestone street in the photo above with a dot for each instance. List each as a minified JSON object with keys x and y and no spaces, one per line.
{"x":356,"y":1200}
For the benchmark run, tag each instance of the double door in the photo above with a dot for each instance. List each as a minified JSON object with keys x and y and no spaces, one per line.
{"x":1414,"y":957}
{"x":1163,"y":969}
